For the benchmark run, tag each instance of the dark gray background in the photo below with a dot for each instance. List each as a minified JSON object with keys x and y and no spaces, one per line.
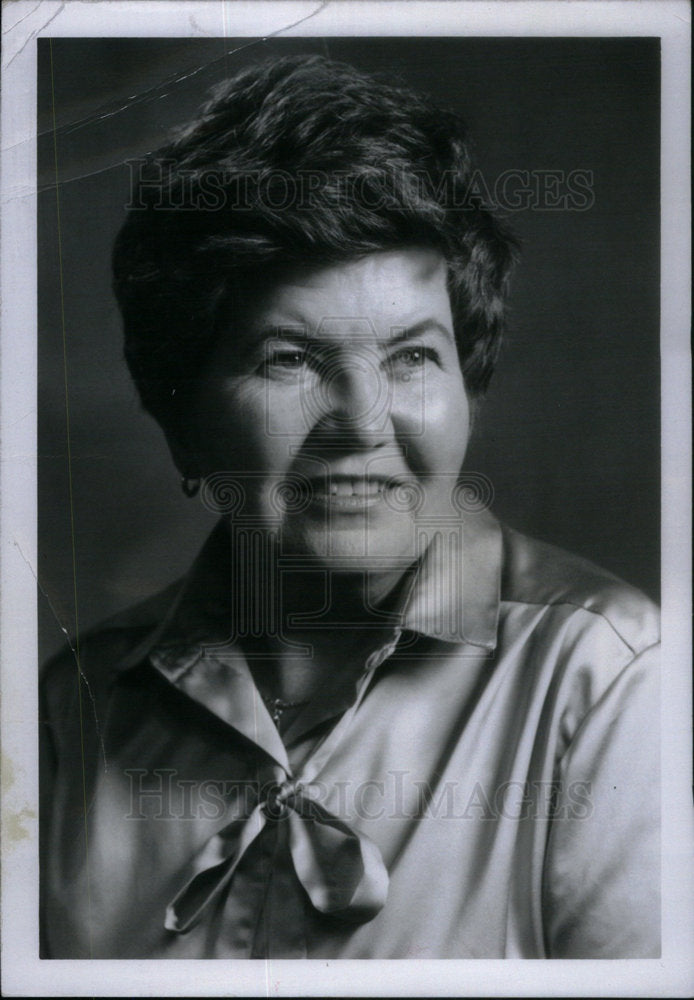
{"x":569,"y":434}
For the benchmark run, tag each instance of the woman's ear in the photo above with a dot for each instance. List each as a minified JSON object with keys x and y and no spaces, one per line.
{"x":185,"y":455}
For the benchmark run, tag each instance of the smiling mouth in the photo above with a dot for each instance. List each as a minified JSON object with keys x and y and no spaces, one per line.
{"x":350,"y":493}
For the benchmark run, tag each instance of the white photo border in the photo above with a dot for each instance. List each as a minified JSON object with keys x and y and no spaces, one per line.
{"x":23,"y":973}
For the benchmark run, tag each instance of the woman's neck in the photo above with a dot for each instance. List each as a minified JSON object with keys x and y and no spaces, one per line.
{"x":326,"y":627}
{"x":302,"y":625}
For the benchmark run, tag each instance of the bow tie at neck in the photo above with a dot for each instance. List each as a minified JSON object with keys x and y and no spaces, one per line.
{"x":341,"y":870}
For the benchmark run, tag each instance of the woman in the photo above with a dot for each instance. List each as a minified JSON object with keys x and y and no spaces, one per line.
{"x":372,"y":721}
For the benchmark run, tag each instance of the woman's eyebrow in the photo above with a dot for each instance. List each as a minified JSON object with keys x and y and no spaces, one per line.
{"x":417,"y":329}
{"x":283,"y":331}
{"x":300,"y":333}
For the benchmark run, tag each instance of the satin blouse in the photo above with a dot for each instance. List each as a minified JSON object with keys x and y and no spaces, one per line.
{"x":489,"y":789}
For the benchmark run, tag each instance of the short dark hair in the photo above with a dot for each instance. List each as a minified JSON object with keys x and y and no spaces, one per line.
{"x":297,"y":161}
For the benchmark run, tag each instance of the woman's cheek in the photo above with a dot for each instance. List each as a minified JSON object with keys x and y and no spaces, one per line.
{"x":270,"y":424}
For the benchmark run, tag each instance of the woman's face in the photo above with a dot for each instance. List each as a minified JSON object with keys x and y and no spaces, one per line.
{"x":338,"y":409}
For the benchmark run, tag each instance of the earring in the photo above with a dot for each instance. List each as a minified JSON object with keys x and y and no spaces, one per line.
{"x":190,"y":485}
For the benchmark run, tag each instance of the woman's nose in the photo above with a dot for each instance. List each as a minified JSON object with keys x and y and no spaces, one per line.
{"x":357,"y":400}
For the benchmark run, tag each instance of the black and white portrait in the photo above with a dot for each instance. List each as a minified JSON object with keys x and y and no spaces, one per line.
{"x":349,"y":496}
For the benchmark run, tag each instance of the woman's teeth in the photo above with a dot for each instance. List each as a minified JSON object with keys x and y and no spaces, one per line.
{"x":355,"y":487}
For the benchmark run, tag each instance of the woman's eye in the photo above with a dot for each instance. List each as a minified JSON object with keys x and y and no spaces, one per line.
{"x":410,"y":358}
{"x":285,"y":359}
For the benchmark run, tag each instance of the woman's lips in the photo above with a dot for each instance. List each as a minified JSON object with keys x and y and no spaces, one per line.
{"x":349,"y":493}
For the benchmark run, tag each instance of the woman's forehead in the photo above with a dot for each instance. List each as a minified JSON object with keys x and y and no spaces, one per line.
{"x":384,"y":288}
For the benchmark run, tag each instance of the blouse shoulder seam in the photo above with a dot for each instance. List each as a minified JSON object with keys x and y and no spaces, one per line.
{"x":590,"y":611}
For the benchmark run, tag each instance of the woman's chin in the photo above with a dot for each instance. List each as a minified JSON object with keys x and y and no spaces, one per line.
{"x":355,"y":549}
